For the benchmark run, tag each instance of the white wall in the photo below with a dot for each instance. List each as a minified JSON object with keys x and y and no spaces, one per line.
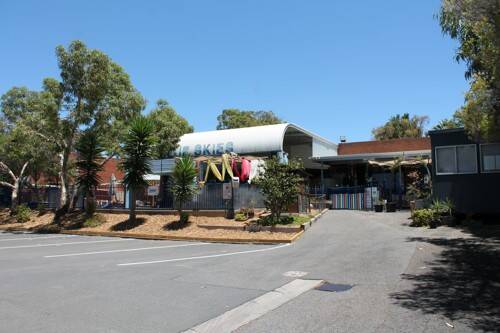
{"x":320,"y":149}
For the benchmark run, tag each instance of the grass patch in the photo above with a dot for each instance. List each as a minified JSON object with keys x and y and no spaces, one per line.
{"x":94,"y":221}
{"x":285,"y":220}
{"x":300,"y":219}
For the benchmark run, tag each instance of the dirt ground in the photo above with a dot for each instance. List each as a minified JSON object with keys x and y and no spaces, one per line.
{"x":146,"y":225}
{"x":37,"y":219}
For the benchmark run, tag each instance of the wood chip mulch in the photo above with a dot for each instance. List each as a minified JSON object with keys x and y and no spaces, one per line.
{"x":150,"y":225}
{"x":157,"y":225}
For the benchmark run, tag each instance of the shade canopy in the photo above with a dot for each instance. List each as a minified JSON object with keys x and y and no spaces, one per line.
{"x":258,"y":140}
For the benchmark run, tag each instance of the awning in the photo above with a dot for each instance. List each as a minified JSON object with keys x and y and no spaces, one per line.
{"x":396,"y":162}
{"x":257,"y":140}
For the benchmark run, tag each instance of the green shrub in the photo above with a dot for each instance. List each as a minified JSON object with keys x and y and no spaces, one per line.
{"x":270,"y":220}
{"x":23,"y":214}
{"x":240,"y":217}
{"x":94,"y":221}
{"x":442,"y":207}
{"x":423,"y":217}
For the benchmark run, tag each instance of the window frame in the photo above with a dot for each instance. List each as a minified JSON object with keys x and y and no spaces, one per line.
{"x":456,"y":160}
{"x":481,"y":157}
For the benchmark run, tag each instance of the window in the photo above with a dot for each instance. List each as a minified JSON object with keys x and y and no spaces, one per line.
{"x":456,"y":159}
{"x":490,"y":157}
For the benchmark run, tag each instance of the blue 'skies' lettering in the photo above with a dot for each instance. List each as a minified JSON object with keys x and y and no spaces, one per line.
{"x":220,"y":149}
{"x":229,"y":147}
{"x":206,"y":149}
{"x":197,"y":150}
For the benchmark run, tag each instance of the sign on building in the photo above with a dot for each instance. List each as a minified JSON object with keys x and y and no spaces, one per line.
{"x":227,"y":191}
{"x":153,"y":190}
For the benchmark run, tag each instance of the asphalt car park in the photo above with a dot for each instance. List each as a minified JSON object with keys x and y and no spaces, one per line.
{"x":61,"y":283}
{"x":66,"y":283}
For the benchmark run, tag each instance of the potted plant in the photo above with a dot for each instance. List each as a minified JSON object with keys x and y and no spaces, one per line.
{"x":251,"y":210}
{"x":419,"y":189}
{"x":390,"y":207}
{"x":379,"y":206}
{"x":444,"y":211}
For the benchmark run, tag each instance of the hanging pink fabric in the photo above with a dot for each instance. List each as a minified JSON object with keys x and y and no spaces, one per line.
{"x":234,"y":166}
{"x":245,"y":170}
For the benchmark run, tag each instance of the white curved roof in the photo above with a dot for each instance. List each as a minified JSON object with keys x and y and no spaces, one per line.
{"x":248,"y":140}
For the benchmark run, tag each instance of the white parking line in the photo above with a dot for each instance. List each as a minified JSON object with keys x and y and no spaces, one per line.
{"x":202,"y":257}
{"x":34,"y":238}
{"x":61,"y":244}
{"x":253,"y":309}
{"x":125,"y":250}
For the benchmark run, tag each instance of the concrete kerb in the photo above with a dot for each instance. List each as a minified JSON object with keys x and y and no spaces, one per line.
{"x":303,"y":227}
{"x":309,"y":223}
{"x":183,"y":238}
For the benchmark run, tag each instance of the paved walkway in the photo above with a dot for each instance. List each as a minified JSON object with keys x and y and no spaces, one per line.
{"x":403,"y":280}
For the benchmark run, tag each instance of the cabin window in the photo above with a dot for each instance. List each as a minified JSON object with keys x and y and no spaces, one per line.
{"x":452,"y":160}
{"x":490,"y":157}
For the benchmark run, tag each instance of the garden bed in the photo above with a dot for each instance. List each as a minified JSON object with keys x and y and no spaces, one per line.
{"x":37,"y":219}
{"x":203,"y":228}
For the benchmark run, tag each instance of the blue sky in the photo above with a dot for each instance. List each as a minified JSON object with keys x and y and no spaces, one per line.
{"x":333,"y":67}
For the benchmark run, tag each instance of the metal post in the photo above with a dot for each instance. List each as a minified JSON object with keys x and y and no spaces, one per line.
{"x":400,"y":186}
{"x":322,"y":179}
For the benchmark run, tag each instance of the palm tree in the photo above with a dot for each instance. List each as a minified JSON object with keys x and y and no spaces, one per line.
{"x":184,"y":186}
{"x":89,"y":151}
{"x":138,"y":150}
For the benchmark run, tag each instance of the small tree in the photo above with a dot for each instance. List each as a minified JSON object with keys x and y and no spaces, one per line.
{"x":138,"y":150}
{"x":401,"y":126}
{"x":89,"y":151}
{"x":280,"y":186}
{"x":169,"y":127}
{"x":234,"y":118}
{"x":18,"y":152}
{"x":184,"y":186}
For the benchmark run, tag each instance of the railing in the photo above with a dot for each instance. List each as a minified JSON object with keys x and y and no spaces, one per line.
{"x":210,"y":197}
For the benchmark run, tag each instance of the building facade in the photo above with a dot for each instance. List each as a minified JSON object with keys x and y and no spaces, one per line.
{"x":466,"y":172}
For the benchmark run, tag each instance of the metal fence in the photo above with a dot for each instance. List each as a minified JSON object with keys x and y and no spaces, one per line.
{"x":248,"y":196}
{"x":210,"y":197}
{"x":47,"y":197}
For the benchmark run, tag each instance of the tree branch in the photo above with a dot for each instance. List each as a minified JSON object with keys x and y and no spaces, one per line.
{"x":23,"y":169}
{"x":43,"y":136}
{"x":7,"y":184}
{"x":8,"y":170}
{"x":108,"y":158}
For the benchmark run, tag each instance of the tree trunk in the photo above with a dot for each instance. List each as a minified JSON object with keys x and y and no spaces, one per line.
{"x":132,"y":206}
{"x":65,"y":199}
{"x":73,"y":198}
{"x":89,"y":204}
{"x":62,"y":179}
{"x":14,"y":199}
{"x":15,"y":187}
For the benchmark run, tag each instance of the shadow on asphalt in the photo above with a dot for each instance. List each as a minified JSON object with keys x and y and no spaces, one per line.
{"x":462,"y":282}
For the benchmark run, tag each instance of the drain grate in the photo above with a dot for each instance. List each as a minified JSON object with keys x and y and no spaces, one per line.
{"x":332,"y":287}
